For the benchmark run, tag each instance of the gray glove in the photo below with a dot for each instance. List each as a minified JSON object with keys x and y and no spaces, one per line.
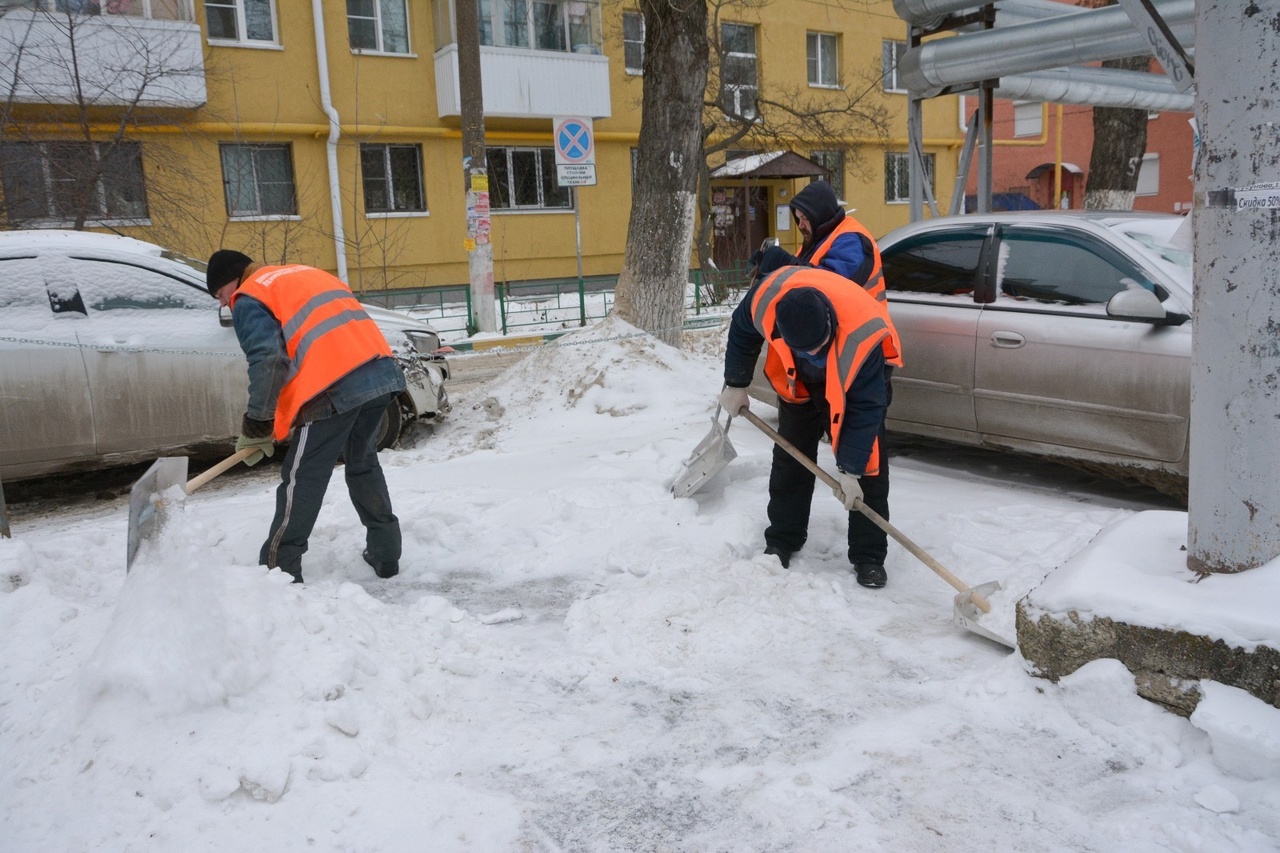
{"x":734,"y":400}
{"x":849,"y":490}
{"x":258,"y":435}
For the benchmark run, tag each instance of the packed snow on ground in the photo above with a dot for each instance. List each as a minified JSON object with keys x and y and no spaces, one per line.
{"x":571,"y":659}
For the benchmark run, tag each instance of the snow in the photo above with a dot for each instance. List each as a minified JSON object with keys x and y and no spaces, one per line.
{"x":571,"y":659}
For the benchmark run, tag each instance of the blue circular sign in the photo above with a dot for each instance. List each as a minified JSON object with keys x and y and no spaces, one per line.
{"x":573,"y":141}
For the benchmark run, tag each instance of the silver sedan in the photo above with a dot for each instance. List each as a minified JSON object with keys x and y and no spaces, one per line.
{"x":1057,"y":334}
{"x":112,"y":351}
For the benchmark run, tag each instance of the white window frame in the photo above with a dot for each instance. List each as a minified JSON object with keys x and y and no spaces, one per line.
{"x":819,"y":60}
{"x":736,"y":89}
{"x":388,"y":177}
{"x":185,"y":10}
{"x":242,"y":39}
{"x":626,"y":42}
{"x":543,"y":162}
{"x":48,"y":178}
{"x":898,"y":165}
{"x":242,"y":214}
{"x":891,"y":51}
{"x":1028,"y":118}
{"x":379,"y":30}
{"x":572,"y":16}
{"x":1148,"y":176}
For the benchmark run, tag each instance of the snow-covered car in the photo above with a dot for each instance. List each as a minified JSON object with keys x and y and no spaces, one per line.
{"x":1052,"y":333}
{"x":112,"y":352}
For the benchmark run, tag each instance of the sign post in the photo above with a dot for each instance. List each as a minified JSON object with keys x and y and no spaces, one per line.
{"x":576,"y":167}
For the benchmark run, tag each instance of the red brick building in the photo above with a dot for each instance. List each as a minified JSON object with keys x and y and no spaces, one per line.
{"x":1027,"y":135}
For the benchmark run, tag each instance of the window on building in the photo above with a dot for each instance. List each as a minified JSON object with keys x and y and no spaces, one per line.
{"x":58,"y":182}
{"x":1028,"y":118}
{"x":738,"y":70}
{"x":1149,"y":175}
{"x":833,"y":161}
{"x":633,"y":42}
{"x":525,"y":179}
{"x":378,"y":25}
{"x":240,"y":20}
{"x":823,"y":58}
{"x":897,"y":176}
{"x":392,"y":176}
{"x":159,"y":10}
{"x":890,"y":52}
{"x":565,"y":25}
{"x":259,"y":180}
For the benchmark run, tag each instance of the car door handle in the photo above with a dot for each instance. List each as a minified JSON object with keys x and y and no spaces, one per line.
{"x":1007,"y":340}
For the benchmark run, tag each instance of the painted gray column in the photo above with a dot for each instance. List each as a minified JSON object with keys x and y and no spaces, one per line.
{"x":1234,"y":519}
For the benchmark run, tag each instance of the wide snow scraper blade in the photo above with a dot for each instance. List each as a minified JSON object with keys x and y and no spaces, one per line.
{"x":148,"y":501}
{"x":709,"y":458}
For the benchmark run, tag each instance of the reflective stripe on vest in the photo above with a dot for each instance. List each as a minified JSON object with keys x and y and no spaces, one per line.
{"x":863,"y":324}
{"x":875,"y":282}
{"x":327,"y":333}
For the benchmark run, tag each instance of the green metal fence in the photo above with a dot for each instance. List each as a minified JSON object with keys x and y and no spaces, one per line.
{"x":553,"y":303}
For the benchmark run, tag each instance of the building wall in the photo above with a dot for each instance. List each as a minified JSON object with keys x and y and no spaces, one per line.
{"x":273,"y":95}
{"x":1168,"y":135}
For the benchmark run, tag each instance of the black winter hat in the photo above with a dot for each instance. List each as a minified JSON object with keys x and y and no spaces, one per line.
{"x":803,"y":318}
{"x":818,"y":203}
{"x":225,"y":266}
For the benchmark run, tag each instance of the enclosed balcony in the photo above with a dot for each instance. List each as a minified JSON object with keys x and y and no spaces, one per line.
{"x":101,"y":53}
{"x":538,"y":59}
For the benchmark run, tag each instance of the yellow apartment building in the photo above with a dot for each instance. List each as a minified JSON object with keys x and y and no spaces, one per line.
{"x":328,"y":133}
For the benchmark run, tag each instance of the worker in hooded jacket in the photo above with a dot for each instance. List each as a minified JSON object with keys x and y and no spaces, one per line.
{"x":835,"y":241}
{"x":828,"y":347}
{"x":320,"y":366}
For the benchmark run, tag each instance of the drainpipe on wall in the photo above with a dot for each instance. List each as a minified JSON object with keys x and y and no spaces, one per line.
{"x":331,"y":145}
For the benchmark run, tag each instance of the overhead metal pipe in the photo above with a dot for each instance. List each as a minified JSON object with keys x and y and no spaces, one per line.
{"x":1097,"y":87}
{"x":922,"y":12}
{"x":1089,"y":36}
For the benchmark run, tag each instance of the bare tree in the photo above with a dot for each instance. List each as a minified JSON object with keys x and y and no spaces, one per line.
{"x":1119,"y":141}
{"x":740,"y":113}
{"x":78,"y":87}
{"x":651,"y":287}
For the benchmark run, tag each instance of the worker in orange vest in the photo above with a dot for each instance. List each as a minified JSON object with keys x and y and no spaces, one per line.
{"x":318,"y":365}
{"x":828,"y":345}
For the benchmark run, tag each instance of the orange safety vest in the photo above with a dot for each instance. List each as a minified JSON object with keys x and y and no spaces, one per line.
{"x":327,"y":334}
{"x":862,"y":325}
{"x":875,"y":282}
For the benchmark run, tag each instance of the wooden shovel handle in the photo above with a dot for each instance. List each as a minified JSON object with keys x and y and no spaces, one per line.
{"x":205,"y":476}
{"x":870,"y":513}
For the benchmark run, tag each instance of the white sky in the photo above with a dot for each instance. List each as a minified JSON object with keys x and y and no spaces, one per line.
{"x":571,"y":659}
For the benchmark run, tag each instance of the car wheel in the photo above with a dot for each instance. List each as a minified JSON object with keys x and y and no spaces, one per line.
{"x":392,"y":422}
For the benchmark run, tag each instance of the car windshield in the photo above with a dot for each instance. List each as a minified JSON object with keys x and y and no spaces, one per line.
{"x":1159,"y":239}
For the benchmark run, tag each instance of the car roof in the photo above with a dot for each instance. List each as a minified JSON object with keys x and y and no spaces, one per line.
{"x":1088,"y":218}
{"x":62,"y":240}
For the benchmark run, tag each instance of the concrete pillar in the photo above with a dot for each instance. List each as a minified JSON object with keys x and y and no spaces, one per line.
{"x":1234,"y":500}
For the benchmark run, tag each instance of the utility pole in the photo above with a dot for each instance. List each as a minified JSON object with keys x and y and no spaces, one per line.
{"x":1234,"y":515}
{"x":474,"y":168}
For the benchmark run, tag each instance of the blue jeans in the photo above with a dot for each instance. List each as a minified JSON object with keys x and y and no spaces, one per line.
{"x":304,"y":478}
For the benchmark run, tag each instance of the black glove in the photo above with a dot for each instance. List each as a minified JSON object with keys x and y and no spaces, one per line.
{"x":773,"y":258}
{"x":257,"y":435}
{"x":756,"y":257}
{"x":251,"y":428}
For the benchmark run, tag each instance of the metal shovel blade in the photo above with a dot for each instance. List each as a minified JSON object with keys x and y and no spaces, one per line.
{"x":968,"y":615}
{"x":709,"y":458}
{"x":147,"y":500}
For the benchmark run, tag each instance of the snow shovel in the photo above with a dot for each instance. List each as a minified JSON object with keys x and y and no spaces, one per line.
{"x":148,"y":502}
{"x":709,"y":458}
{"x":970,"y":603}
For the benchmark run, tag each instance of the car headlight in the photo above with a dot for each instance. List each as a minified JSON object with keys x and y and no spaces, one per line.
{"x":426,"y":343}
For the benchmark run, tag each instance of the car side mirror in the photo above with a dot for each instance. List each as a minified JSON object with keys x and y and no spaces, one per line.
{"x":224,"y":317}
{"x":1140,"y":305}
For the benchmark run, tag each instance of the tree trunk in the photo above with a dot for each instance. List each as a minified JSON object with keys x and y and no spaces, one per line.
{"x":1119,"y":141}
{"x":655,"y":270}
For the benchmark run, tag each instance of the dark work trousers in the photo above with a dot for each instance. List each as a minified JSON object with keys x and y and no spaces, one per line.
{"x":304,"y":477}
{"x":791,"y":485}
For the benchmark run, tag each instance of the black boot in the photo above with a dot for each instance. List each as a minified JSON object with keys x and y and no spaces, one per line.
{"x":382,"y":570}
{"x":783,"y":555}
{"x":870,"y":574}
